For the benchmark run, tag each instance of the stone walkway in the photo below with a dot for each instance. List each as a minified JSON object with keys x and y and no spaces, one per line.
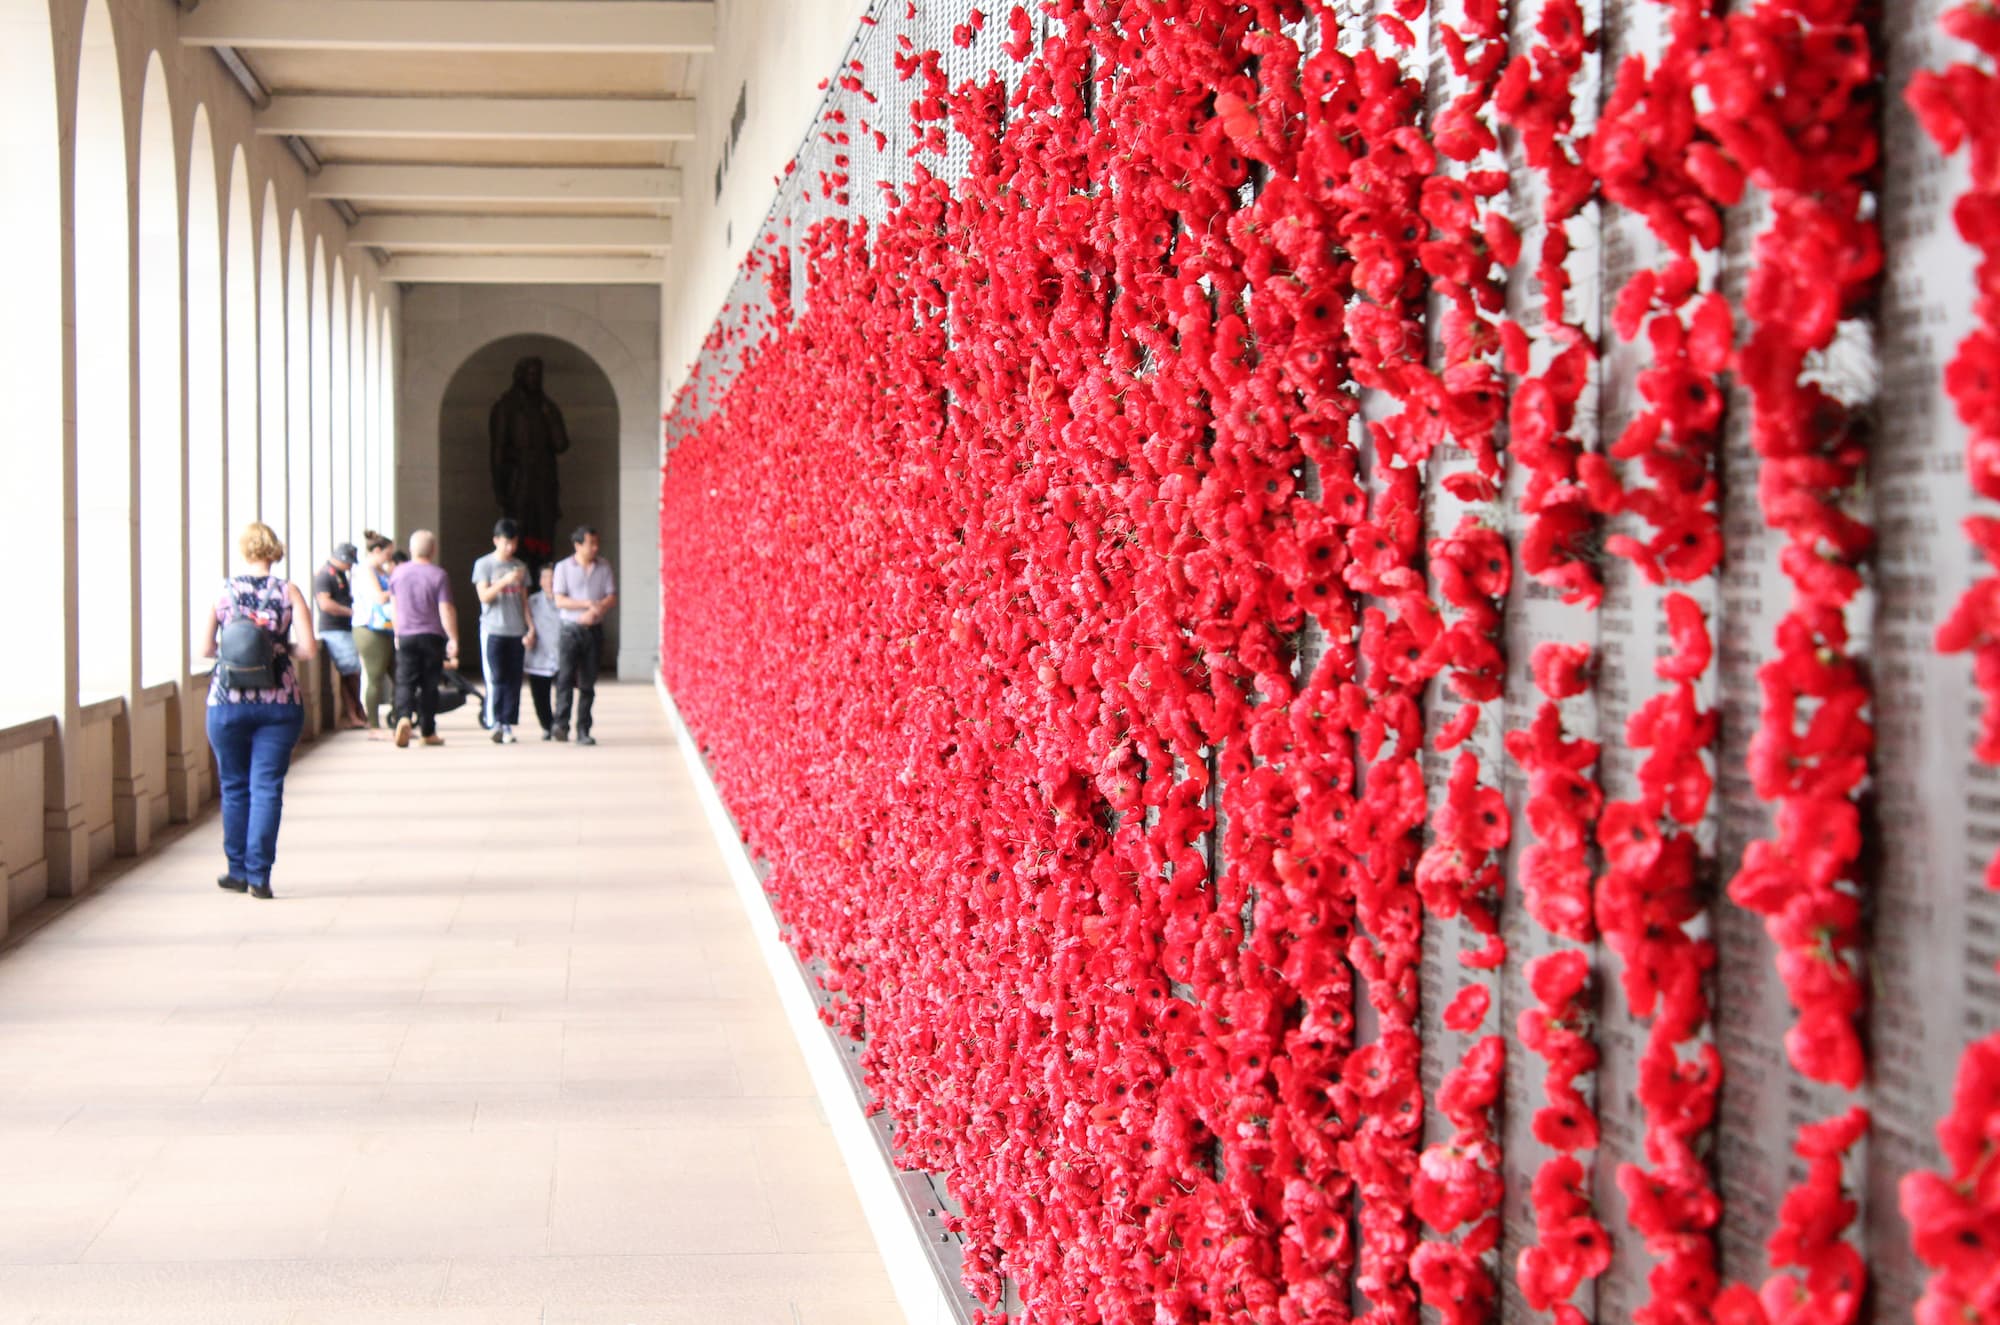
{"x":502,"y":1052}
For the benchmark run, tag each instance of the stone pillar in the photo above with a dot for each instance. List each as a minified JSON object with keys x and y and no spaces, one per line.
{"x":186,"y":758}
{"x":130,"y":796}
{"x":311,"y":690}
{"x":65,"y":835}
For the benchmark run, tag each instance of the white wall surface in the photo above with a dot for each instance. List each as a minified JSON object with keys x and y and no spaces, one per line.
{"x":780,"y":50}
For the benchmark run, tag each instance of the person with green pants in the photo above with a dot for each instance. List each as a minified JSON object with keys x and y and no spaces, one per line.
{"x":375,"y":628}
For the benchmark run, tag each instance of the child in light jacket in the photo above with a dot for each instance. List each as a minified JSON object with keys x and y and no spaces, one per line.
{"x":544,"y":638}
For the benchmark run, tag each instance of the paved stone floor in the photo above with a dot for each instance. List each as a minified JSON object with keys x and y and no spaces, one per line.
{"x":502,"y":1052}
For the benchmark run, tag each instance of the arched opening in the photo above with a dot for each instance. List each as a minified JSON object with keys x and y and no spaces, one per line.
{"x":240,"y":300}
{"x":317,"y":495}
{"x":589,"y":472}
{"x":370,"y":481}
{"x":272,"y":374}
{"x":206,"y":406}
{"x":162,"y":649}
{"x":357,"y":412}
{"x":103,"y":368}
{"x":341,"y":458}
{"x":31,"y":448}
{"x":385,"y":404}
{"x":294,"y":516}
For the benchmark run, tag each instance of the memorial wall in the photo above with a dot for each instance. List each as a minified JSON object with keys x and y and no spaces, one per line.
{"x":1360,"y":635}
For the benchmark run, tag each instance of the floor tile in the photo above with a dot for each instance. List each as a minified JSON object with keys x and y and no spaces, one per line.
{"x":507,"y":1057}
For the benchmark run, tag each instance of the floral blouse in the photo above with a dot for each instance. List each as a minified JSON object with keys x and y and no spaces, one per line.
{"x":267,"y":600}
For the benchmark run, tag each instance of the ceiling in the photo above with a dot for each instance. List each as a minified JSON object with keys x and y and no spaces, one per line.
{"x":480,"y":140}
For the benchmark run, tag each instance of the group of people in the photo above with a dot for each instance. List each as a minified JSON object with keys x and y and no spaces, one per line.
{"x":382,"y":614}
{"x":546,"y":630}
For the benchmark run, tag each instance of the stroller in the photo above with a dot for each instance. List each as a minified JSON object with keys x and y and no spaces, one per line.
{"x":456,"y":690}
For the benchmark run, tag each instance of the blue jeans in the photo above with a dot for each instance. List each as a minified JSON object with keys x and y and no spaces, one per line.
{"x":340,"y":648}
{"x":504,"y":654}
{"x":253,"y":749}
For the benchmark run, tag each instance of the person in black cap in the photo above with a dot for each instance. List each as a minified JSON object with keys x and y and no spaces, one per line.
{"x":334,"y":596}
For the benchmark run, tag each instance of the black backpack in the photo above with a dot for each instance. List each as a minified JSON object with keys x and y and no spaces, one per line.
{"x":246,"y":658}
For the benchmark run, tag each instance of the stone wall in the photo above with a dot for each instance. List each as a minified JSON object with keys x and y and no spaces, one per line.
{"x":617,"y":329}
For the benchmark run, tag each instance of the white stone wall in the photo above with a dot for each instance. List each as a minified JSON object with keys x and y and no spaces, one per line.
{"x":619,"y":328}
{"x":777,"y":52}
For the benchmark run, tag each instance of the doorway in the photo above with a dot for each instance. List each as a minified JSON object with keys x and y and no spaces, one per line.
{"x":589,"y":472}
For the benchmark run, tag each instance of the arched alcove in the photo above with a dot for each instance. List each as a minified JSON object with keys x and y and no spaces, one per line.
{"x":31,"y":368}
{"x":340,"y":459}
{"x":206,"y":406}
{"x":466,"y":506}
{"x":294,"y":517}
{"x":357,"y":513}
{"x":446,"y":326}
{"x":103,"y":230}
{"x":273,"y":373}
{"x":308,"y":536}
{"x":162,"y":649}
{"x":386,"y":443}
{"x":240,"y":455}
{"x":371,"y":414}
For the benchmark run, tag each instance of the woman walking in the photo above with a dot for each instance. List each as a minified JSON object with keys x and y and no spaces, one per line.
{"x":374,"y":627}
{"x":255,"y":711}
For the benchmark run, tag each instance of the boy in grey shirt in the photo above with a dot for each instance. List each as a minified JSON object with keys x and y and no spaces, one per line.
{"x":504,"y":625}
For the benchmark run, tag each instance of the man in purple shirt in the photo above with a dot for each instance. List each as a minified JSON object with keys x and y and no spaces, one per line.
{"x":426,"y":637}
{"x":585,"y":593}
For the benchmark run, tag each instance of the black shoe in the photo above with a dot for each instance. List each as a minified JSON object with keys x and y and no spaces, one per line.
{"x":548,"y":735}
{"x":499,"y":736}
{"x":232,"y":883}
{"x":562,"y":733}
{"x":262,"y":890}
{"x":585,"y":738}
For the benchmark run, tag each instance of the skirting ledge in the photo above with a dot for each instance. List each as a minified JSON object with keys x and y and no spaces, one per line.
{"x":904,"y":1210}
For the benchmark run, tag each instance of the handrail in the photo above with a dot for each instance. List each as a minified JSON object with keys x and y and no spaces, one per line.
{"x":159,"y":692}
{"x":103,"y":710}
{"x":31,"y":732}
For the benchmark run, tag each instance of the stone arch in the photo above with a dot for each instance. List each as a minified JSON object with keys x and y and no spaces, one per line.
{"x":428,"y":370}
{"x":440,"y":327}
{"x":102,"y":201}
{"x":241,"y":458}
{"x":207,"y":409}
{"x":294,"y":524}
{"x":589,"y":400}
{"x":162,"y":511}
{"x":31,"y":452}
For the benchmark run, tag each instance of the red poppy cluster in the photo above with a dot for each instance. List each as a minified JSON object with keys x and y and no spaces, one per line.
{"x":1955,"y":1216}
{"x":1091,"y":595}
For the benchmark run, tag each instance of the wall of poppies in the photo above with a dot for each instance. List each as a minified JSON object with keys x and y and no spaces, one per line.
{"x":1360,"y":634}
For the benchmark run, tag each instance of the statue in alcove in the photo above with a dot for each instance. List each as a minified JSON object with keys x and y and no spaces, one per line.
{"x":527,"y":434}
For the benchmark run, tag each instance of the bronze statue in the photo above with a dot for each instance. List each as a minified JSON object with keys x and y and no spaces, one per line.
{"x":527,"y":434}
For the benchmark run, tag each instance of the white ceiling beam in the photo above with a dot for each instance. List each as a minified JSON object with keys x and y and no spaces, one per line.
{"x":462,"y":270}
{"x":496,"y":184}
{"x":562,"y":26}
{"x":522,"y":119}
{"x":512,"y":234}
